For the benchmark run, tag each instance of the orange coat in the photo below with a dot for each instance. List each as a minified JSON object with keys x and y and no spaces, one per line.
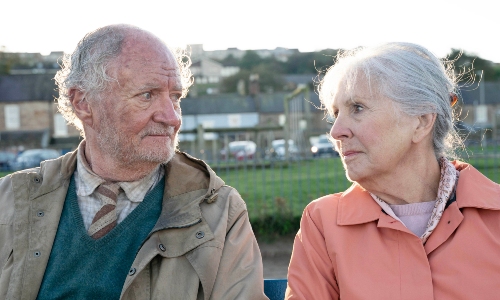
{"x":347,"y":248}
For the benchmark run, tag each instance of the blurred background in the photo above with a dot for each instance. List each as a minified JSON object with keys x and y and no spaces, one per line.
{"x":252,"y":113}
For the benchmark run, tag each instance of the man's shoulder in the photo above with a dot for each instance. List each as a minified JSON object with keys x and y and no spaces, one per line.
{"x":45,"y":177}
{"x":7,"y":197}
{"x":228,"y":195}
{"x":185,"y":173}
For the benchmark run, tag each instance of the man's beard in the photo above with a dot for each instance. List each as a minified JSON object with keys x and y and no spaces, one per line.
{"x":127,"y":149}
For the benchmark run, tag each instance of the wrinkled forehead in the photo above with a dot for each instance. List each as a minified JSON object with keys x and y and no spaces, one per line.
{"x":143,"y":51}
{"x":346,"y":83}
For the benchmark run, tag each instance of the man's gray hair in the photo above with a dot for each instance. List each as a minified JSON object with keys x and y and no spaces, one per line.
{"x":414,"y":78}
{"x":86,"y":69}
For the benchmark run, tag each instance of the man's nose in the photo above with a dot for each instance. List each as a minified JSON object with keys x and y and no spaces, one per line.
{"x":167,"y":112}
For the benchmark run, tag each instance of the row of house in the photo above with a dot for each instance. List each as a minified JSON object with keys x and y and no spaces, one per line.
{"x":279,"y":53}
{"x":209,"y":67}
{"x":29,"y":117}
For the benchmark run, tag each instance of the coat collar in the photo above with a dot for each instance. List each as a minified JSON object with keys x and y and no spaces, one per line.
{"x":188,"y":182}
{"x":356,"y":206}
{"x":476,"y":190}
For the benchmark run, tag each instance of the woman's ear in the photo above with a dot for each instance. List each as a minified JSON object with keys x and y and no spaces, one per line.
{"x":424,"y":127}
{"x":81,"y":107}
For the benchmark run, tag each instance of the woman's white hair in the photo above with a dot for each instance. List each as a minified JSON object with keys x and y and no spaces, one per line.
{"x":414,"y":78}
{"x":86,"y":69}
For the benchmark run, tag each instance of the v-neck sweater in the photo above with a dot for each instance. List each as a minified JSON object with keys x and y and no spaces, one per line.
{"x":80,"y":267}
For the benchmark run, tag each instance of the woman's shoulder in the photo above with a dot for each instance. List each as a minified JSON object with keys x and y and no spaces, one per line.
{"x":326,"y":201}
{"x":325,"y":206}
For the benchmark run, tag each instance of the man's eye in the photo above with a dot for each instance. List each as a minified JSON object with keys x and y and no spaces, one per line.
{"x":147,"y":95}
{"x":175,"y":97}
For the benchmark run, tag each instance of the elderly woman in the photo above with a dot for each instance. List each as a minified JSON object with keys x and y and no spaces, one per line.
{"x":413,"y":225}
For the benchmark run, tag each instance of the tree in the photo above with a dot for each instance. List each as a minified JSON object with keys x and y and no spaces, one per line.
{"x":269,"y":80}
{"x":230,"y":60}
{"x":250,"y":60}
{"x":7,"y":61}
{"x":310,"y":62}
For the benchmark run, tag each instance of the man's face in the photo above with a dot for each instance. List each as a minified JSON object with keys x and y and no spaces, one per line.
{"x":139,"y":116}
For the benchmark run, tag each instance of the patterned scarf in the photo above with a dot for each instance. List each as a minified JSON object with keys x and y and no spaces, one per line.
{"x":447,"y":183}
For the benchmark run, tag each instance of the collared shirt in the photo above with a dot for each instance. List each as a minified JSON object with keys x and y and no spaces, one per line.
{"x":130,"y":196}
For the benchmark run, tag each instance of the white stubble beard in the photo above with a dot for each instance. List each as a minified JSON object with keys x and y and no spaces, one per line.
{"x":128,"y":150}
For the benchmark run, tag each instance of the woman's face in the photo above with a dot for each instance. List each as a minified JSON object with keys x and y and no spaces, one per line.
{"x":373,"y":137}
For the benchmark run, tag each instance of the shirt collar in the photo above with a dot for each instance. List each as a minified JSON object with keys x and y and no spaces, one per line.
{"x":89,"y":181}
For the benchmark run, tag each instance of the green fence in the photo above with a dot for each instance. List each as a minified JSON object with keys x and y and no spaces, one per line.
{"x":278,"y":187}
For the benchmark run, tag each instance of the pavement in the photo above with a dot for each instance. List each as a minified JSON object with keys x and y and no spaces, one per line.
{"x":276,"y":256}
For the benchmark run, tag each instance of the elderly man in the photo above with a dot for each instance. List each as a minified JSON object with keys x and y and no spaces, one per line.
{"x":125,"y":216}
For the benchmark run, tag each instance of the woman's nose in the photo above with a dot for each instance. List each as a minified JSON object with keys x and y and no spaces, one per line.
{"x":340,"y":129}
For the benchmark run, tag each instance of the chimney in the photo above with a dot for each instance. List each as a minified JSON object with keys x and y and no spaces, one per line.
{"x":254,"y":86}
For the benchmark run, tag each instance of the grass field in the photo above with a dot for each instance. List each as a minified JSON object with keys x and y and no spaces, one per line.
{"x":282,"y":188}
{"x":279,"y":188}
{"x":285,"y":188}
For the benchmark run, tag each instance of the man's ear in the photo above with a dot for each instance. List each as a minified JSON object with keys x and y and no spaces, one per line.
{"x":81,"y":106}
{"x":424,"y":127}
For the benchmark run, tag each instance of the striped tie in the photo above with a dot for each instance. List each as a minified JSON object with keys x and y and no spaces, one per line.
{"x":105,"y":219}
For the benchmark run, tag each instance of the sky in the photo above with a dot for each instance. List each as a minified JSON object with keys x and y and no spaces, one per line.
{"x":439,"y":25}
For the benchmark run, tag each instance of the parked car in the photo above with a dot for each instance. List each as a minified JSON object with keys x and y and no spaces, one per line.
{"x":240,"y":150}
{"x":5,"y":159}
{"x":32,"y":158}
{"x":323,"y":147}
{"x":277,"y":150}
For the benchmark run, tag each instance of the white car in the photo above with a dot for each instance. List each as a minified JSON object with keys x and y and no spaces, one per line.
{"x":32,"y":158}
{"x":323,"y":147}
{"x":240,"y":150}
{"x":277,"y":150}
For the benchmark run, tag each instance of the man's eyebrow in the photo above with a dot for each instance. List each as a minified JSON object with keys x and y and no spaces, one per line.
{"x":177,"y":87}
{"x":148,"y":87}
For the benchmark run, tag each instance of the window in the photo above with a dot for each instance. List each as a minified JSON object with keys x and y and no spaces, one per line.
{"x":12,"y":116}
{"x":234,"y":120}
{"x":60,"y":126}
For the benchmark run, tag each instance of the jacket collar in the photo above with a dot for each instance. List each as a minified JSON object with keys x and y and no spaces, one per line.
{"x":188,"y":182}
{"x":356,"y":206}
{"x":476,"y":190}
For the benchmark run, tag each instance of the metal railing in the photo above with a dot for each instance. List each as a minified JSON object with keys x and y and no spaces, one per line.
{"x":273,"y":185}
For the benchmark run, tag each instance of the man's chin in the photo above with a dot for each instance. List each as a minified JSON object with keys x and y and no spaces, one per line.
{"x":160,"y":157}
{"x":160,"y":152}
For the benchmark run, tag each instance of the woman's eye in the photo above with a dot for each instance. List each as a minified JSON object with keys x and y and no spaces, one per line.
{"x":357,"y":108}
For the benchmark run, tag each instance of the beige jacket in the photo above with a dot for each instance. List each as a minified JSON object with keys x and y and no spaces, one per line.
{"x":202,"y":246}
